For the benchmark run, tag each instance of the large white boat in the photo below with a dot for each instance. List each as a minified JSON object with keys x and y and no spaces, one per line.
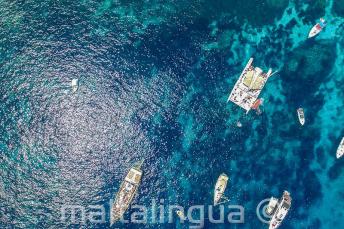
{"x":75,"y":85}
{"x":248,"y":87}
{"x":340,"y":150}
{"x":278,"y":209}
{"x":126,"y":193}
{"x":301,"y":116}
{"x":220,"y":188}
{"x":317,"y":28}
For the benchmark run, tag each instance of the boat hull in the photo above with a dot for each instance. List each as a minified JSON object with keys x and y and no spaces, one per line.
{"x":314,"y":31}
{"x":340,"y":150}
{"x":75,"y":85}
{"x":280,"y":211}
{"x":249,"y":85}
{"x":220,"y":188}
{"x":301,"y":116}
{"x":125,"y":194}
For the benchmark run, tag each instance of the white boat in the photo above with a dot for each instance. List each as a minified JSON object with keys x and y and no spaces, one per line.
{"x":181,"y":215}
{"x":126,"y":193}
{"x":272,"y":206}
{"x":75,"y":85}
{"x":248,"y":87}
{"x":317,"y":28}
{"x":239,"y":124}
{"x":220,"y":188}
{"x":301,"y":116}
{"x":279,"y":210}
{"x":340,"y":150}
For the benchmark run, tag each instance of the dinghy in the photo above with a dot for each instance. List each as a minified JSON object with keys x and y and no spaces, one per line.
{"x":126,"y":193}
{"x":75,"y":85}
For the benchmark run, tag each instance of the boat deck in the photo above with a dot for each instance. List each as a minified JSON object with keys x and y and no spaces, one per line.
{"x":125,"y":194}
{"x":248,"y":87}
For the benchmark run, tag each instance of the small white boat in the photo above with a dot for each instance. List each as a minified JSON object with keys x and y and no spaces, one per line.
{"x":220,"y":188}
{"x":340,"y":150}
{"x":301,"y":116}
{"x":75,"y":85}
{"x":239,"y":124}
{"x":181,"y":215}
{"x":317,"y":28}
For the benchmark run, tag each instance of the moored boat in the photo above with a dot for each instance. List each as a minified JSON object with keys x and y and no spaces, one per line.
{"x":272,"y":206}
{"x":126,"y":193}
{"x":257,"y":104}
{"x":301,"y":116}
{"x":317,"y":28}
{"x":279,"y":210}
{"x":248,"y":87}
{"x":181,"y":215}
{"x":75,"y":85}
{"x":239,"y":124}
{"x":340,"y":150}
{"x":220,"y":188}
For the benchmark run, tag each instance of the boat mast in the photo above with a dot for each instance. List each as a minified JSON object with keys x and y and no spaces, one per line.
{"x":225,"y":200}
{"x":140,"y":164}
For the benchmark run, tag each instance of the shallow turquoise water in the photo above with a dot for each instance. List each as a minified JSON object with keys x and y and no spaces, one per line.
{"x":154,"y":79}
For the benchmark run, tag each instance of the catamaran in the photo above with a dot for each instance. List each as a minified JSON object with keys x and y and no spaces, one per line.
{"x":317,"y":28}
{"x":126,"y":193}
{"x":340,"y":150}
{"x":75,"y":85}
{"x":220,"y":188}
{"x":278,"y":209}
{"x":301,"y":116}
{"x":248,"y":87}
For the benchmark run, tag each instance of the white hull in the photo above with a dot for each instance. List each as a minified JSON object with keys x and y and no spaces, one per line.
{"x":220,"y":188}
{"x":301,"y":116}
{"x":126,"y":193}
{"x":272,"y":206}
{"x":249,"y":85}
{"x":280,"y":211}
{"x":75,"y":85}
{"x":314,"y":31}
{"x":340,"y":150}
{"x":317,"y":28}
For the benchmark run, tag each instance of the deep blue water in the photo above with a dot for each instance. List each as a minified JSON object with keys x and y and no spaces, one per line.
{"x":154,"y":80}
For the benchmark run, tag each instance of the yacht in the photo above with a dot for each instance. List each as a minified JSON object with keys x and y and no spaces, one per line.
{"x":272,"y":205}
{"x":301,"y":116}
{"x":75,"y":85}
{"x":278,"y":209}
{"x":126,"y":193}
{"x":220,"y":188}
{"x":248,"y":87}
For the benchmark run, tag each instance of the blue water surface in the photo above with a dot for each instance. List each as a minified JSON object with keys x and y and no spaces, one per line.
{"x":154,"y":77}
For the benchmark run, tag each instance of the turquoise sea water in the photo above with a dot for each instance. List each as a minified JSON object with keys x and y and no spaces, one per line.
{"x":154,"y":80}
